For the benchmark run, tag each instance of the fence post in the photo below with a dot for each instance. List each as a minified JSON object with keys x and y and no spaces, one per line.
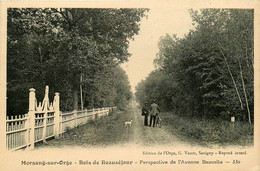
{"x":233,"y":122}
{"x":93,"y":115}
{"x":45,"y":105}
{"x":85,"y":115}
{"x":57,"y":115}
{"x":99,"y":111}
{"x":31,"y":118}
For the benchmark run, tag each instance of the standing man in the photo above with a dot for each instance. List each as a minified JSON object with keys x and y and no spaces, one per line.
{"x":145,"y":113}
{"x":154,"y":109}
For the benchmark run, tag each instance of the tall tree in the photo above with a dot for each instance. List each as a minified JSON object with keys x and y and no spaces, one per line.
{"x":211,"y":68}
{"x":56,"y":46}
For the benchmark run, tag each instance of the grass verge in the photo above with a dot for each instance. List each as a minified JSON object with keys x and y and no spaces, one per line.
{"x":209,"y":132}
{"x":106,"y":131}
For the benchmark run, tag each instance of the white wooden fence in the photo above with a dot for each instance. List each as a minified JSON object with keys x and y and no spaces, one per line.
{"x":45,"y":120}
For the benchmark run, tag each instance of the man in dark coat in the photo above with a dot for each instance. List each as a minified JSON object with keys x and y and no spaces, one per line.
{"x":145,"y":113}
{"x":154,"y":110}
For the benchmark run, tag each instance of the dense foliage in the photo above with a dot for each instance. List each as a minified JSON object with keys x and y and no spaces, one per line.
{"x":58,"y":47}
{"x":208,"y":73}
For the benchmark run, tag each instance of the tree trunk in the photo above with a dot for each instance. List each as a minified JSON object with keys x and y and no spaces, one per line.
{"x":244,"y":90}
{"x":248,"y":60}
{"x":92,"y":101}
{"x":233,"y":80}
{"x":81,"y":95}
{"x":75,"y":98}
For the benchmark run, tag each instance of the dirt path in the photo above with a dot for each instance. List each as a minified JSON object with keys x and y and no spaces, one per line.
{"x":141,"y":135}
{"x":111,"y":132}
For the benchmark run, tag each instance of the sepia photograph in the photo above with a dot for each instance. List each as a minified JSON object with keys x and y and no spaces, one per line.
{"x":129,"y":86}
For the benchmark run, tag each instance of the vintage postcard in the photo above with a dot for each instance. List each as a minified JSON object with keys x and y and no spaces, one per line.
{"x":129,"y":85}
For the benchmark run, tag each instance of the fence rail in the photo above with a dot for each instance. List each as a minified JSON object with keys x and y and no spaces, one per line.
{"x":45,"y":120}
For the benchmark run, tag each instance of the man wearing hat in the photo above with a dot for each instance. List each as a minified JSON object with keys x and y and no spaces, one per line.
{"x":154,"y":109}
{"x":145,"y":113}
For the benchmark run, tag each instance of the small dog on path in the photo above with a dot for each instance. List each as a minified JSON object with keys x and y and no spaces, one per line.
{"x":158,"y":121}
{"x":129,"y":123}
